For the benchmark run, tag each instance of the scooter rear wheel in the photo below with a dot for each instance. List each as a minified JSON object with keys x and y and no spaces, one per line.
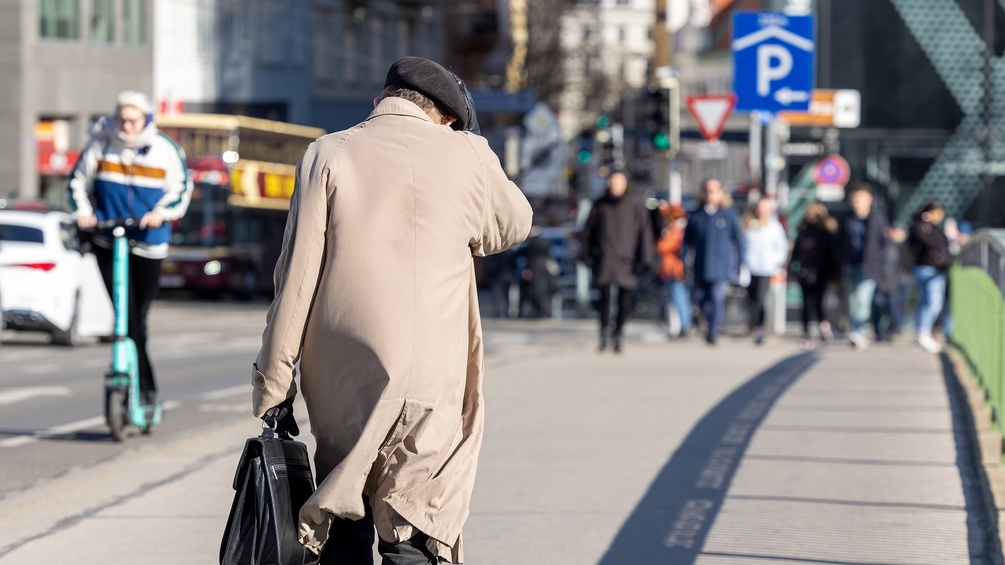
{"x":115,"y":411}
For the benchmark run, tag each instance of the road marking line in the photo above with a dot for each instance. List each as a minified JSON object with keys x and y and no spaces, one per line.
{"x":69,"y":428}
{"x":227,"y":392}
{"x":38,"y":369}
{"x":12,"y":395}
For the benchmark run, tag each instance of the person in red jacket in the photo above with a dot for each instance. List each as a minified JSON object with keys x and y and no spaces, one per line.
{"x":671,"y":250}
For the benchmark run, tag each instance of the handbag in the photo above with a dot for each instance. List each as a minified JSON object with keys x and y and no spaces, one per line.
{"x":272,"y":482}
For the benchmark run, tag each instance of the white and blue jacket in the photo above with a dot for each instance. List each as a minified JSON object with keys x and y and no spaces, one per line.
{"x":118,"y":178}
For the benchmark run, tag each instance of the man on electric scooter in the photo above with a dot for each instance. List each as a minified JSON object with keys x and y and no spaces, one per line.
{"x":128,"y":169}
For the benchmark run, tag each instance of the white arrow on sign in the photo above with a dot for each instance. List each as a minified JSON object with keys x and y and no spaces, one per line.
{"x":787,"y":96}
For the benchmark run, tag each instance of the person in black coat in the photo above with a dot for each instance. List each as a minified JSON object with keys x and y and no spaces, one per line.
{"x":713,"y":233}
{"x":538,"y":276}
{"x":618,"y":244}
{"x":862,"y":240}
{"x":930,"y":247}
{"x":813,"y":264}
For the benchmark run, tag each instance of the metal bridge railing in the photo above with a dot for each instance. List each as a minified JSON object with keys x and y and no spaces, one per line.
{"x":977,"y":301}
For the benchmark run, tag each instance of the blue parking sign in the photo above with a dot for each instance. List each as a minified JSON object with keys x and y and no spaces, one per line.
{"x":772,"y":61}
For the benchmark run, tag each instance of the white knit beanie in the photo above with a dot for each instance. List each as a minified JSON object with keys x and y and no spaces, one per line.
{"x":135,"y":99}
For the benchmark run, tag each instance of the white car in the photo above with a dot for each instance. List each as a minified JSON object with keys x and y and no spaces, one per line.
{"x":46,"y":284}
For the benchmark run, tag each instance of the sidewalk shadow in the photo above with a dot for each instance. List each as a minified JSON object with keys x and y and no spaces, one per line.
{"x":673,"y":519}
{"x":982,"y":516}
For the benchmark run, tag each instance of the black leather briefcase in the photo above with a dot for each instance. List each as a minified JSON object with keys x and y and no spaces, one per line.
{"x":273,"y":481}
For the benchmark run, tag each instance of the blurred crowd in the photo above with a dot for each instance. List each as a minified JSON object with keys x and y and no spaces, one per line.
{"x":847,"y":271}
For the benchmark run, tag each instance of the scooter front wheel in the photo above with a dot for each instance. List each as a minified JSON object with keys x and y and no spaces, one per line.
{"x":115,"y":413}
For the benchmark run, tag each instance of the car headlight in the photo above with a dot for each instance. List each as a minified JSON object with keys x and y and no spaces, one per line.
{"x":213,"y":268}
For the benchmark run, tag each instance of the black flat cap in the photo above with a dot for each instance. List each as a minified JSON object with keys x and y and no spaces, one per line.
{"x":437,"y":83}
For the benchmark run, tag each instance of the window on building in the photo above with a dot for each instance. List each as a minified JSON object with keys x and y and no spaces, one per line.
{"x":349,"y":52}
{"x":586,"y":33}
{"x":274,"y":32}
{"x":134,"y":20}
{"x":587,"y":64}
{"x":621,"y":34}
{"x":59,"y":19}
{"x":323,"y":48}
{"x":376,"y":49}
{"x":404,"y":38}
{"x":102,"y":18}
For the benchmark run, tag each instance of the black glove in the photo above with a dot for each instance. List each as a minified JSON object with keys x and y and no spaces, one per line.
{"x":283,"y":417}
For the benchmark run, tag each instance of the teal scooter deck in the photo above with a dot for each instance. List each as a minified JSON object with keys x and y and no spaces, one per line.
{"x":122,"y":383}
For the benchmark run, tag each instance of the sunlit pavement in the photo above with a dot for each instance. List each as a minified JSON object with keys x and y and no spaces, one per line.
{"x":672,"y":453}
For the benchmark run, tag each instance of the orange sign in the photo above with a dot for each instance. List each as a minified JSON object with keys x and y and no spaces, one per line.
{"x":828,"y":108}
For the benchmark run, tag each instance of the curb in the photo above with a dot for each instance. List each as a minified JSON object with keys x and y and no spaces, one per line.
{"x":989,"y":467}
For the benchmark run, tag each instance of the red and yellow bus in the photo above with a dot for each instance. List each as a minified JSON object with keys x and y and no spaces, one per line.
{"x":243,"y":175}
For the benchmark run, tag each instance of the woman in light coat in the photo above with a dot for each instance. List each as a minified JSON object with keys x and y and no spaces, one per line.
{"x":767,"y":251}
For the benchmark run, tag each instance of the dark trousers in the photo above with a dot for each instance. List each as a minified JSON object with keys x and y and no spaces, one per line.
{"x":813,"y":303}
{"x":757,"y":292}
{"x":624,"y":305}
{"x":350,"y":542}
{"x":144,"y":282}
{"x":884,"y":318}
{"x":710,"y":296}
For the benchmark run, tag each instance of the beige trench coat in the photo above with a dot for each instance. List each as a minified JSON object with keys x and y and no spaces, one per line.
{"x":376,"y":299}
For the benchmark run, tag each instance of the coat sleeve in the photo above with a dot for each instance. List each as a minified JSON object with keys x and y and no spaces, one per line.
{"x":80,"y":189}
{"x":781,"y":243}
{"x":506,"y":214}
{"x":296,"y":277}
{"x":740,"y":240}
{"x":177,"y":185}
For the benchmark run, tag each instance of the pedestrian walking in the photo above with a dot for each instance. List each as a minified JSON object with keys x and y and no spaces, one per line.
{"x":671,"y":273}
{"x":862,"y":241}
{"x":886,"y":301}
{"x":538,"y":276}
{"x":376,"y":301}
{"x":713,"y":233}
{"x":814,"y":266}
{"x":930,"y":249}
{"x":129,"y":170}
{"x":618,"y":244}
{"x":767,"y":253}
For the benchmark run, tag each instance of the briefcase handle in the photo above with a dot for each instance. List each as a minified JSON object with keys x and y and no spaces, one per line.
{"x":270,"y":421}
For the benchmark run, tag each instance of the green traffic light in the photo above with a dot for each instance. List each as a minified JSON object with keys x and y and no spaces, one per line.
{"x":584,"y":156}
{"x":603,"y":122}
{"x":661,"y":141}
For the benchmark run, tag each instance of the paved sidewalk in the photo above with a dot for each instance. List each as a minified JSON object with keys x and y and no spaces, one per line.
{"x":673,"y":453}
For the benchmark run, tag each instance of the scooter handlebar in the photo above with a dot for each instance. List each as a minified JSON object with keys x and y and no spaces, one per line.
{"x":121,"y":222}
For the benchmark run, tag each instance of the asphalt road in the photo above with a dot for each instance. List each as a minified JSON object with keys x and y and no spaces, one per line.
{"x":202,"y":353}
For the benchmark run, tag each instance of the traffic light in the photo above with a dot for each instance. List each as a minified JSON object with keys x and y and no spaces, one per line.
{"x":659,"y":118}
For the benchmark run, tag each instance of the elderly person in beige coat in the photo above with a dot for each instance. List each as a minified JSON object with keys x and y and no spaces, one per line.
{"x":376,"y":300}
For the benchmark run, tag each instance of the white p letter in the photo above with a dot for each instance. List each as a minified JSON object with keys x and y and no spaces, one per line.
{"x":766,"y":72}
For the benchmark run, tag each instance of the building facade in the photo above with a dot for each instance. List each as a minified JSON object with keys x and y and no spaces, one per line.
{"x":312,"y":62}
{"x":63,"y":62}
{"x":608,"y":46}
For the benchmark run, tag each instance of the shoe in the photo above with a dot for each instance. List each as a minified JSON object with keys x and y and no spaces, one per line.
{"x":826,"y":335}
{"x":858,"y":341}
{"x":710,"y":339}
{"x":603,"y":341}
{"x":148,"y":397}
{"x":806,"y":344}
{"x":759,"y":337}
{"x":928,"y":343}
{"x":617,"y":344}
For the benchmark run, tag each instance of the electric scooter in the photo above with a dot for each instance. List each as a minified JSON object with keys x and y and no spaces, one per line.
{"x":123,"y":408}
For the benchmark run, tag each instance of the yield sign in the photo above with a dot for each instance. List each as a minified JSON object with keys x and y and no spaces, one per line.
{"x":710,"y":112}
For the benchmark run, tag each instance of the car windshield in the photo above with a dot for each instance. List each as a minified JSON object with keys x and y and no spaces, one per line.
{"x":23,"y":234}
